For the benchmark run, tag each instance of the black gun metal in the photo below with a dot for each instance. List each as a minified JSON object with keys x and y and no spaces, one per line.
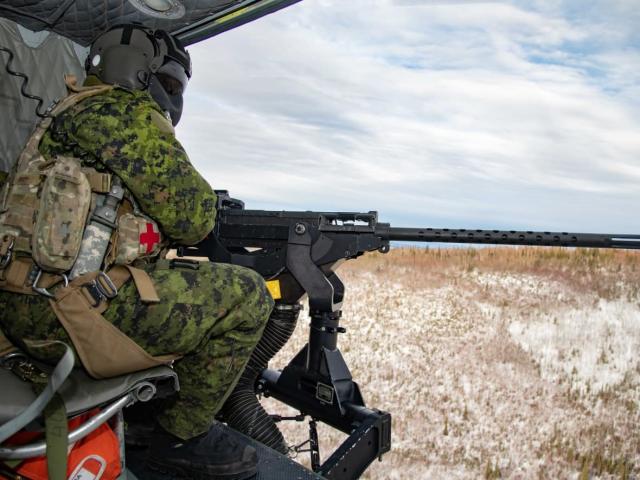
{"x":301,"y":249}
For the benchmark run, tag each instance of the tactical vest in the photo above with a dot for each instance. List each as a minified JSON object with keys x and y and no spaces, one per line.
{"x":70,"y":226}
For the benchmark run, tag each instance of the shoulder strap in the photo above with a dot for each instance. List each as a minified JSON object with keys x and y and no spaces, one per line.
{"x":75,"y":95}
{"x":57,"y":378}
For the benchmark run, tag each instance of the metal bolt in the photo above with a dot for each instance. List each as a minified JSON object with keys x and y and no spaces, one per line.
{"x":300,"y":228}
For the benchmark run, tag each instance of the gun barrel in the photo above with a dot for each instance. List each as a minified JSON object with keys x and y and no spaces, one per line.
{"x":510,"y":237}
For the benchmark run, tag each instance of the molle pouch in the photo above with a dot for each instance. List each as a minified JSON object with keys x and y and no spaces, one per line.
{"x":64,"y":204}
{"x":20,"y":207}
{"x":138,"y":237}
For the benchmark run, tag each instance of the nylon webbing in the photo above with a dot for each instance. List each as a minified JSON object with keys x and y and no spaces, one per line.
{"x":120,"y":274}
{"x":144,"y":285}
{"x":56,"y":437}
{"x":56,"y":379}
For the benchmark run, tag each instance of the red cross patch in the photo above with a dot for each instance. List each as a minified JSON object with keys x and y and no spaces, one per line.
{"x":150,"y":237}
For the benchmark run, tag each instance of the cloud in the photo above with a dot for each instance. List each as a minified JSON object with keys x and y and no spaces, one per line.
{"x":459,"y":113}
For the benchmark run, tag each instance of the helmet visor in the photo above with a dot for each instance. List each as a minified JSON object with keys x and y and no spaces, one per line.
{"x":173,"y":78}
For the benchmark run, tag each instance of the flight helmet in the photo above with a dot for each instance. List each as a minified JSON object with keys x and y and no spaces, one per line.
{"x":139,"y":58}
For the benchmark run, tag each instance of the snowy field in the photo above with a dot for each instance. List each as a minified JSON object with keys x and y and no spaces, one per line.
{"x":495,"y":363}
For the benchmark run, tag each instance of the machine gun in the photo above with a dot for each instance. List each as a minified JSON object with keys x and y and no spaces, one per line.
{"x":296,"y":252}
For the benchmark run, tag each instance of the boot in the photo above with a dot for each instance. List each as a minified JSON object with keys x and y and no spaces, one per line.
{"x":140,"y":424}
{"x":215,"y":455}
{"x":139,"y":435}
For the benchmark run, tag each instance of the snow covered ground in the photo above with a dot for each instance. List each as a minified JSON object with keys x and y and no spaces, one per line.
{"x":496,"y":363}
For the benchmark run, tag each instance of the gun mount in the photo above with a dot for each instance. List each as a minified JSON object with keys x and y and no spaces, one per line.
{"x":299,"y":252}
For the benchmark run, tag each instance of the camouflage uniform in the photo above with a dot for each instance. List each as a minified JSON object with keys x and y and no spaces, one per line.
{"x":213,"y":315}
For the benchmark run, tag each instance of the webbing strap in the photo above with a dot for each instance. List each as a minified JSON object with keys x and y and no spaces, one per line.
{"x":56,"y":379}
{"x":120,"y":274}
{"x":18,"y":277}
{"x":104,"y":350}
{"x":144,"y":285}
{"x":56,"y":438}
{"x":100,"y":182}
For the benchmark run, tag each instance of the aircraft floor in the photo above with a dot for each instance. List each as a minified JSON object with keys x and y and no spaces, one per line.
{"x":271,"y":466}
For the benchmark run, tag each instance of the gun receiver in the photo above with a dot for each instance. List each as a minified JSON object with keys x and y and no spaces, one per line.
{"x":300,"y":251}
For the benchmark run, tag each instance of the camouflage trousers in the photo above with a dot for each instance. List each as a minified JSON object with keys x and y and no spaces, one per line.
{"x":214,"y":316}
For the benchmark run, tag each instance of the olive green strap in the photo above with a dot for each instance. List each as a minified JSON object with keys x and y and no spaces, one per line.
{"x":57,"y":378}
{"x":10,"y":464}
{"x":56,"y":436}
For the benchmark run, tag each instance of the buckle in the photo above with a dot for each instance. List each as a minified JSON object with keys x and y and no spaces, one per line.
{"x":12,"y":358}
{"x":23,"y":367}
{"x":100,"y":289}
{"x":184,"y":263}
{"x":106,"y":285}
{"x":41,"y":290}
{"x":6,"y":250}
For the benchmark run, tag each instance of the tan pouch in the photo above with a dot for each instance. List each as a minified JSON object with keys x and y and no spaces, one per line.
{"x":104,"y":350}
{"x":44,"y":203}
{"x":20,"y":207}
{"x":64,"y":205}
{"x":138,"y":237}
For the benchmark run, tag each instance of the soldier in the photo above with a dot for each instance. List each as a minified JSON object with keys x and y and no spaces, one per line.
{"x":212,"y":315}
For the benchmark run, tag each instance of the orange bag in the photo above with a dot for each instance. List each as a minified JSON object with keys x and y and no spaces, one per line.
{"x":95,"y":457}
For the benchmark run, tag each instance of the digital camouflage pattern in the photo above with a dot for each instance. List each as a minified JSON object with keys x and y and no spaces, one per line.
{"x":95,"y":242}
{"x":21,"y":196}
{"x":130,"y":230}
{"x":122,"y":131}
{"x":20,"y":209}
{"x":64,"y":204}
{"x":214,"y":316}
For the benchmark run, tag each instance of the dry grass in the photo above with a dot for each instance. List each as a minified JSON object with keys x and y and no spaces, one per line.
{"x":602,"y":272}
{"x":496,"y":362}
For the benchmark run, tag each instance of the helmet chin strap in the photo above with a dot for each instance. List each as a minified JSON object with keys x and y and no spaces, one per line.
{"x":169,"y":103}
{"x":143,"y":78}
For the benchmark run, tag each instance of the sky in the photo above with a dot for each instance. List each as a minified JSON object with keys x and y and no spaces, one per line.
{"x":502,"y":114}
